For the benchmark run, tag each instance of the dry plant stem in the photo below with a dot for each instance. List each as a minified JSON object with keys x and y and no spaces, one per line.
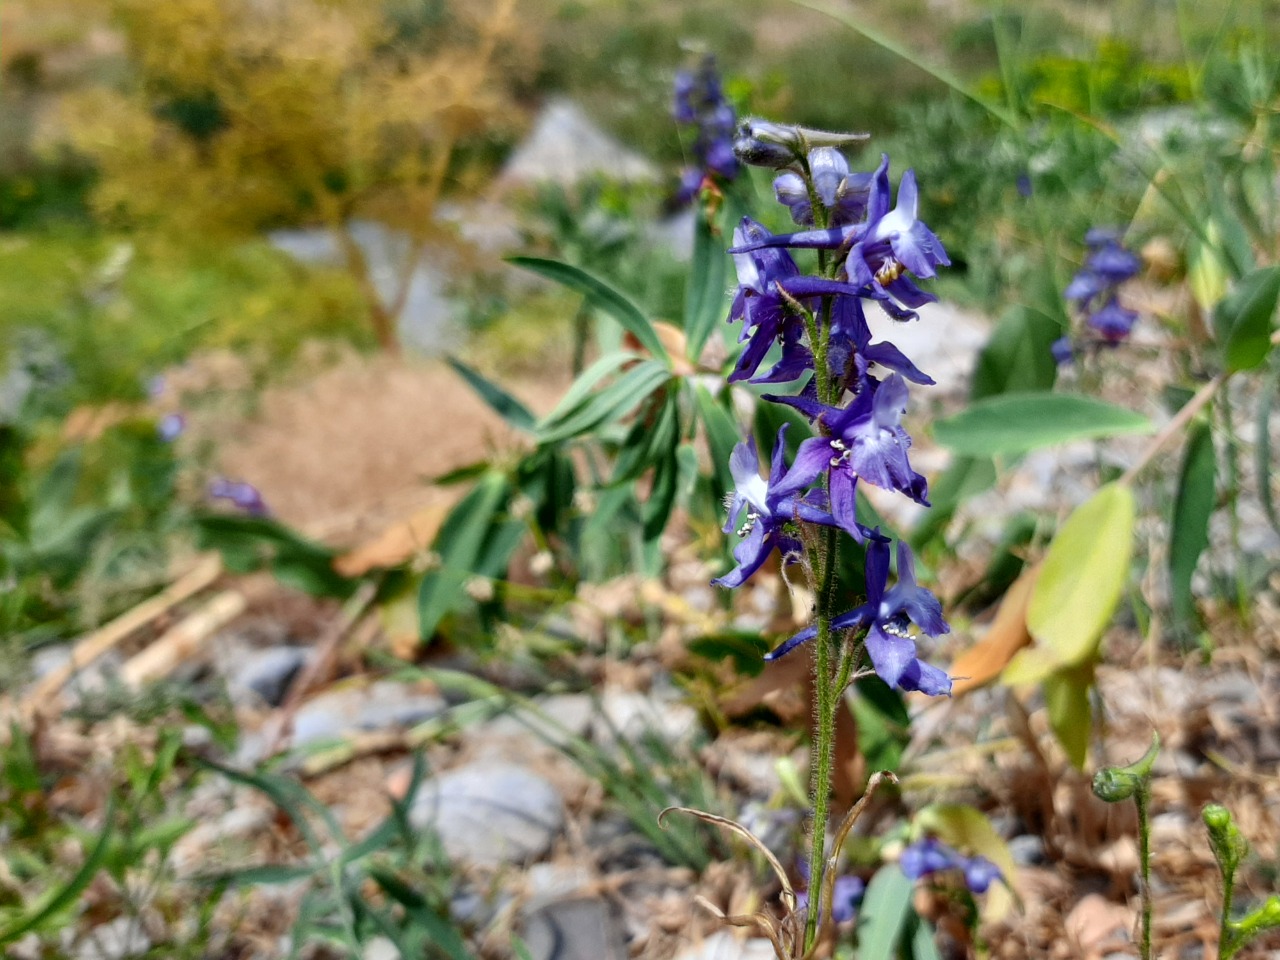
{"x":181,"y":642}
{"x":120,"y":629}
{"x":1176,"y":425}
{"x":326,"y":649}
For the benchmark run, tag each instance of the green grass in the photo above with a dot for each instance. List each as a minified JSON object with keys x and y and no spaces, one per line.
{"x":118,"y":312}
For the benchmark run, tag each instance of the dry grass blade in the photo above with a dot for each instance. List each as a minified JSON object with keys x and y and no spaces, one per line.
{"x":788,"y":893}
{"x":829,"y":872}
{"x":757,"y":921}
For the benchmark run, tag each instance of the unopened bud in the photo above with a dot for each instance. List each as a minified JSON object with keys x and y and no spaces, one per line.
{"x":1114,"y":784}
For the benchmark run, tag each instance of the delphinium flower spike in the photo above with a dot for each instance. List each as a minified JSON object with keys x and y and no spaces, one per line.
{"x":700,"y":102}
{"x":1094,"y":292}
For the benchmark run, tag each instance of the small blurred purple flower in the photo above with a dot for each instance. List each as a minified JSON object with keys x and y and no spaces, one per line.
{"x":1094,"y":288}
{"x":155,"y":386}
{"x":171,"y":426}
{"x":243,"y":495}
{"x":931,"y":855}
{"x":1113,"y":321}
{"x":847,"y":894}
{"x":1023,"y":185}
{"x":1063,"y":352}
{"x":699,"y":101}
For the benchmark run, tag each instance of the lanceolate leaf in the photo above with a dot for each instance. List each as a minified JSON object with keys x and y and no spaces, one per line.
{"x":722,"y":435}
{"x":704,"y":297}
{"x":505,"y":405}
{"x":1189,"y":532}
{"x":608,"y":404}
{"x":883,"y":914}
{"x":460,"y":544}
{"x":1262,"y":453}
{"x":1014,"y":423}
{"x":1244,"y":319}
{"x":1081,"y":580}
{"x":611,"y":301}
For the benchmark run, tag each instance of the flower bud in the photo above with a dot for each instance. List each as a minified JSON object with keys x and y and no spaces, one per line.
{"x":763,"y":144}
{"x":1114,"y":784}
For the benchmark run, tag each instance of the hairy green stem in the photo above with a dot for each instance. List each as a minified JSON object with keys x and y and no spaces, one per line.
{"x":1140,"y":799}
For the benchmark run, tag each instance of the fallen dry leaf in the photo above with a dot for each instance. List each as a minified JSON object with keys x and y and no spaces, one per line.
{"x":985,"y":660}
{"x":1096,"y":926}
{"x":396,"y":544}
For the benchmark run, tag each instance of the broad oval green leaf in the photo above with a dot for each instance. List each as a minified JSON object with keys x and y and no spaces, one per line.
{"x":600,"y":294}
{"x":1013,"y":423}
{"x":1066,"y":699}
{"x":1189,"y":531}
{"x":1243,"y":319}
{"x":1082,"y":577}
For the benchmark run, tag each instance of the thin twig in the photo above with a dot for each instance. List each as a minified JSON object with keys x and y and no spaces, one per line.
{"x":1176,"y":425}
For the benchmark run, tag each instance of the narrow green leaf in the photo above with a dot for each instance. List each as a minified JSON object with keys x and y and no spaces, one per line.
{"x":1066,"y":697}
{"x":722,"y":436}
{"x":459,"y":543}
{"x":600,"y":294}
{"x":649,"y":438}
{"x":1013,"y":423}
{"x":608,"y":404}
{"x":1189,"y":531}
{"x":1243,"y":319}
{"x":1081,"y":580}
{"x":883,"y":914}
{"x":1262,"y":453}
{"x":502,"y":403}
{"x":70,"y":892}
{"x":580,"y":390}
{"x":657,"y":506}
{"x":923,"y":946}
{"x":705,"y":294}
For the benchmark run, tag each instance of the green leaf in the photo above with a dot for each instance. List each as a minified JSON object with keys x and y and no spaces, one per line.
{"x":1262,"y":454}
{"x":923,"y":946}
{"x":608,"y":404}
{"x":704,"y":296}
{"x":883,"y":914}
{"x":1189,"y":531}
{"x":722,"y":436}
{"x":69,"y":893}
{"x":600,"y":294}
{"x":1080,"y":582}
{"x":459,"y":543}
{"x":580,"y":390}
{"x":657,"y":506}
{"x":1015,"y":423}
{"x":650,"y":438}
{"x":1066,"y":697}
{"x":1243,"y":320}
{"x":1018,"y":357}
{"x":502,"y":403}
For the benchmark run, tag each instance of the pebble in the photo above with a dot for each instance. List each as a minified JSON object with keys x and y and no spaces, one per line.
{"x":1027,"y":850}
{"x":351,"y":709}
{"x":117,"y":939}
{"x":490,"y":814}
{"x":554,"y":720}
{"x":724,"y":945}
{"x":263,"y":676}
{"x":582,"y":929}
{"x":633,"y":716}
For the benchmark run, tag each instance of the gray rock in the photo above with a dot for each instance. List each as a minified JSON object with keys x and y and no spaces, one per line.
{"x":264,"y":676}
{"x":725,"y":945}
{"x":633,"y":716}
{"x":490,"y":813}
{"x":118,"y":939}
{"x":554,"y":720}
{"x":584,"y":929}
{"x":566,"y":147}
{"x":425,"y":323}
{"x":348,"y":710}
{"x":1027,"y":850}
{"x":380,"y":948}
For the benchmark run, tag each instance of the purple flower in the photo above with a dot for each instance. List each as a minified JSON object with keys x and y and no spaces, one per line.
{"x":243,"y":495}
{"x":171,"y":426}
{"x":1113,"y":321}
{"x":699,"y":101}
{"x":758,"y":513}
{"x":844,"y":194}
{"x":1063,"y":351}
{"x":1114,"y":263}
{"x":889,"y":614}
{"x":930,"y":855}
{"x":846,"y":894}
{"x":866,"y":442}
